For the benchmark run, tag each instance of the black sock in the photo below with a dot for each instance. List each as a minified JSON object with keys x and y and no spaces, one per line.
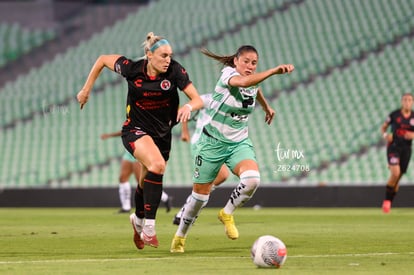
{"x":152,"y":194}
{"x":139,"y":202}
{"x":389,"y":193}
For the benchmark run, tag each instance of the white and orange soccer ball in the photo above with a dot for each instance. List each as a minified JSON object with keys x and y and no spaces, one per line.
{"x":268,"y":251}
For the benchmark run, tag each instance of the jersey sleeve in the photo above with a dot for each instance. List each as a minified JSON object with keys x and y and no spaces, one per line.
{"x":182,"y":78}
{"x":206,"y":98}
{"x":226,"y":74}
{"x":389,"y":118}
{"x":123,"y":66}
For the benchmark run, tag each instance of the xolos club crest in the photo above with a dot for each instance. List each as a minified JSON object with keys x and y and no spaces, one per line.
{"x":165,"y":85}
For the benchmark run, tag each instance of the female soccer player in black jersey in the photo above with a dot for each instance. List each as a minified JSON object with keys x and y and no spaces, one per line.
{"x":399,"y":146}
{"x":152,"y":110}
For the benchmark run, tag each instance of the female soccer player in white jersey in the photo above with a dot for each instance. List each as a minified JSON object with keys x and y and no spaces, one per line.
{"x":202,"y":119}
{"x":224,"y":139}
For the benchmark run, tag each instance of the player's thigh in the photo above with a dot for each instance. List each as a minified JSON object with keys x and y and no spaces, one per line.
{"x":137,"y":167}
{"x":128,"y":157}
{"x":405,"y":157}
{"x":395,"y":170}
{"x":242,"y":158}
{"x":222,"y":175}
{"x":149,"y":155}
{"x":126,"y":170}
{"x":208,"y":157}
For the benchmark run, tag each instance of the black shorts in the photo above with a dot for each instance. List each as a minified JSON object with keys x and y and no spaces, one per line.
{"x":399,"y":155}
{"x":129,"y":136}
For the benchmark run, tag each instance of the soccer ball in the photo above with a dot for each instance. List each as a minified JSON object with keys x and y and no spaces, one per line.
{"x":268,"y":251}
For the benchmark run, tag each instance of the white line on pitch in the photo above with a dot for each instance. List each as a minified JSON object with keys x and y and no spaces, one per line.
{"x":353,"y":255}
{"x":197,"y":257}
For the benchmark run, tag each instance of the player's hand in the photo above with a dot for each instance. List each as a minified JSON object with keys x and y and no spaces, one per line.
{"x":388,"y":138}
{"x":270,"y":114}
{"x":285,"y":68}
{"x":105,"y":136}
{"x":409,"y":135}
{"x":184,"y":113}
{"x":185,"y":137}
{"x":82,"y":98}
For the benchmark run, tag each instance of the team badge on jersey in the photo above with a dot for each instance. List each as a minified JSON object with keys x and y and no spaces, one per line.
{"x":165,"y":85}
{"x":196,"y":173}
{"x":412,"y":122}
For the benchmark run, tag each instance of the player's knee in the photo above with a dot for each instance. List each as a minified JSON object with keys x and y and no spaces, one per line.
{"x":251,"y":179}
{"x":157,"y":167}
{"x":203,"y":189}
{"x":395,"y":171}
{"x":122,"y":178}
{"x":222,"y":176}
{"x":395,"y":175}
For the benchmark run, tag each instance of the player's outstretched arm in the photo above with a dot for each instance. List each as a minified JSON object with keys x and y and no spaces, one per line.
{"x":111,"y":135}
{"x":102,"y":61}
{"x":256,"y":78}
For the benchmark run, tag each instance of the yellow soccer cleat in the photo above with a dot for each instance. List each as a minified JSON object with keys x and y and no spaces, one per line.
{"x":229,"y":226}
{"x":177,"y":244}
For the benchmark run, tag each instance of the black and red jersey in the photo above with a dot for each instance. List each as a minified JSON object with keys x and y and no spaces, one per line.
{"x":152,"y":103}
{"x":400,"y":124}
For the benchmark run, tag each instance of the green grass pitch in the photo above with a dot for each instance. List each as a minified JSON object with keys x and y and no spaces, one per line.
{"x":99,"y":241}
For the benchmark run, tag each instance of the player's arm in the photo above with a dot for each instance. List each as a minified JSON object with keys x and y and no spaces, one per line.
{"x":185,"y":134}
{"x":103,"y":61}
{"x":409,"y":135}
{"x":111,"y":135}
{"x":256,"y":78}
{"x":270,"y":113}
{"x":385,"y":135}
{"x":195,"y":103}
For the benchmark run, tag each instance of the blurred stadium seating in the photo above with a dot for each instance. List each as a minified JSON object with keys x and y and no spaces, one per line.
{"x":353,"y":61}
{"x":17,"y":40}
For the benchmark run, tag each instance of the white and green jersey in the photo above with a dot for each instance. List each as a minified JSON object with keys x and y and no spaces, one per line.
{"x":230,"y":108}
{"x":203,"y":118}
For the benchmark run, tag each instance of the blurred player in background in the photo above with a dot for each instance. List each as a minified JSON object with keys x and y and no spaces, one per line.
{"x":151,"y":112}
{"x":398,"y":146}
{"x":224,"y":139}
{"x":129,"y":166}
